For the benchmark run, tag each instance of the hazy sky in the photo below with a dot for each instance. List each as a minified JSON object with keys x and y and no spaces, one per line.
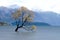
{"x":43,"y":5}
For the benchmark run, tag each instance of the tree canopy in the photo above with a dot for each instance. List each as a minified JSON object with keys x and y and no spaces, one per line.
{"x":23,"y":15}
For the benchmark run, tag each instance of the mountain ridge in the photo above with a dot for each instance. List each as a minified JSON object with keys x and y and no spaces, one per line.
{"x":49,"y":17}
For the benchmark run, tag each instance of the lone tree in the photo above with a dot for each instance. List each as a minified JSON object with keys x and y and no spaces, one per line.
{"x":22,"y":15}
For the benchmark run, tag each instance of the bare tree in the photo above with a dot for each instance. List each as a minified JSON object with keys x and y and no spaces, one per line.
{"x":24,"y":15}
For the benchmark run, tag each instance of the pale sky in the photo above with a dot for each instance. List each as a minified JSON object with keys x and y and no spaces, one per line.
{"x":43,"y":5}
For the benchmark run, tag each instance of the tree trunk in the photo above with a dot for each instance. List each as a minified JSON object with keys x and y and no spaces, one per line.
{"x":16,"y":29}
{"x":20,"y":26}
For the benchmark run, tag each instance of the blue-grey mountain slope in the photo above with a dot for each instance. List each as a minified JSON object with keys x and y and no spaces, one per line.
{"x":48,"y":17}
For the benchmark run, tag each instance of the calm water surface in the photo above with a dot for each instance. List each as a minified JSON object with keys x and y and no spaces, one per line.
{"x":42,"y":33}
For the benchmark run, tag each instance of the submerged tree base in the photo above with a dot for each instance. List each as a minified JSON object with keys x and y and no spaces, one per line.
{"x":16,"y":29}
{"x":28,"y":28}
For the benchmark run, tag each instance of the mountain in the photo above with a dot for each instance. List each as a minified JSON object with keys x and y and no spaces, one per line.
{"x":46,"y":17}
{"x":39,"y":24}
{"x":33,"y":23}
{"x":14,"y":6}
{"x":5,"y":14}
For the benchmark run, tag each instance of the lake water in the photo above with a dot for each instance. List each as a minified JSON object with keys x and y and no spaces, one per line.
{"x":42,"y":33}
